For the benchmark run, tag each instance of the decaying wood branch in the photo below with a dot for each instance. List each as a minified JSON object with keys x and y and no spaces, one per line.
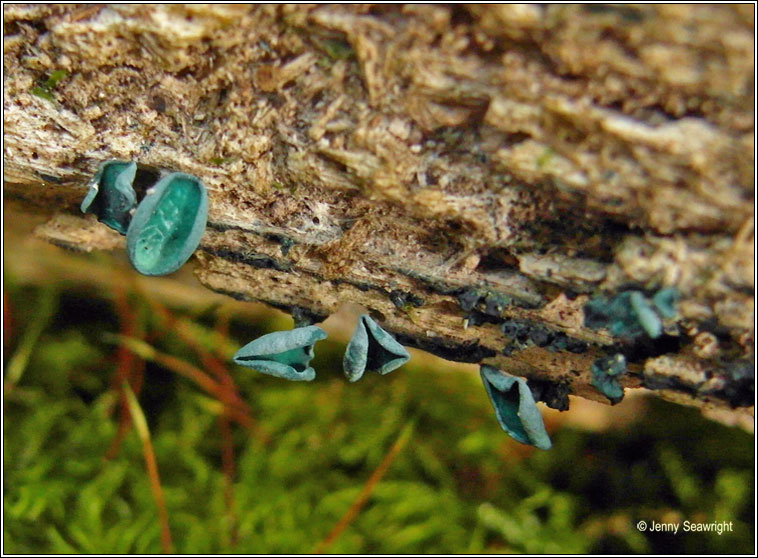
{"x":473,"y":175}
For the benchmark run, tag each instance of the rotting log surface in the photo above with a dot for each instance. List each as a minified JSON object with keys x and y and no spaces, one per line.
{"x":450,"y":168}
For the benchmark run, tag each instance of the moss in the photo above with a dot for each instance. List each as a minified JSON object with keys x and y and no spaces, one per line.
{"x":336,"y":49}
{"x":45,"y":89}
{"x":545,"y":157}
{"x":54,"y":78}
{"x":42,"y":93}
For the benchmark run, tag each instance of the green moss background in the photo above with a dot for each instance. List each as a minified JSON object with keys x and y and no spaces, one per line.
{"x":454,"y":484}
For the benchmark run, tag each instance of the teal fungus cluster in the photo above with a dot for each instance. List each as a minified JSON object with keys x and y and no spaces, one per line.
{"x":167,"y":225}
{"x":605,"y":373}
{"x":164,"y":229}
{"x":631,"y":313}
{"x":287,"y":354}
{"x":371,"y":348}
{"x":515,"y":408}
{"x":284,"y":354}
{"x":111,"y":196}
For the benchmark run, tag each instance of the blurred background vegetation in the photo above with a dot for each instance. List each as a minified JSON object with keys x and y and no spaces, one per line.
{"x":229,"y":460}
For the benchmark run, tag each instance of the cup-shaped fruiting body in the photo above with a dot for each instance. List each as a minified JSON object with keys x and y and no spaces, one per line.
{"x":629,"y":313}
{"x":515,"y":408}
{"x":372,"y":348}
{"x":665,"y":302}
{"x":284,"y":354}
{"x":646,"y":316}
{"x":604,"y":373}
{"x":168,"y":225}
{"x":111,"y":196}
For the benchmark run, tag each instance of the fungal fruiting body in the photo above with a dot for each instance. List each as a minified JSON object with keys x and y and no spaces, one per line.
{"x":168,"y":225}
{"x":630,"y":313}
{"x":665,"y":302}
{"x":111,"y":196}
{"x":615,"y":314}
{"x":646,"y":316}
{"x":604,"y":376}
{"x":284,"y":354}
{"x":515,"y":408}
{"x":372,"y":348}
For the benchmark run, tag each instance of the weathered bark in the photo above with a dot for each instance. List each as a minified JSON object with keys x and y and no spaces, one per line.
{"x":449,"y":168}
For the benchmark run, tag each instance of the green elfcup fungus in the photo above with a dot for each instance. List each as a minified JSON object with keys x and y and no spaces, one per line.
{"x":168,"y":225}
{"x":284,"y":354}
{"x":604,"y":373}
{"x":515,"y":408}
{"x":372,"y":348}
{"x":665,"y":302}
{"x":111,"y":196}
{"x":630,"y":314}
{"x":646,"y":316}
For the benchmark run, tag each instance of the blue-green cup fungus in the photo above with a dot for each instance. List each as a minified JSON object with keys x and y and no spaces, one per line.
{"x":168,"y":224}
{"x":604,"y":376}
{"x":665,"y":302}
{"x":372,"y":348}
{"x":515,"y":408}
{"x":646,"y":316}
{"x":284,"y":354}
{"x":629,"y":313}
{"x":111,"y":196}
